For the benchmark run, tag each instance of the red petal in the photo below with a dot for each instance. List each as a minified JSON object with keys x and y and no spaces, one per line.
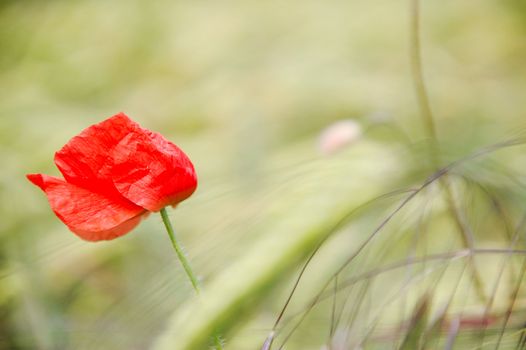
{"x":92,"y":216}
{"x":84,"y":160}
{"x":151,"y":171}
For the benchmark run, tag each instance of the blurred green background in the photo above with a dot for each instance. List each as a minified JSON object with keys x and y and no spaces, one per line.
{"x":246,"y":88}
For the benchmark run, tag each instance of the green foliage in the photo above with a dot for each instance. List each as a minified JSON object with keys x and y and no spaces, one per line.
{"x":246,"y":88}
{"x":319,"y":209}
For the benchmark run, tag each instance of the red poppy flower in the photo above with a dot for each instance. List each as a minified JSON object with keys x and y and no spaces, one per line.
{"x":115,"y":172}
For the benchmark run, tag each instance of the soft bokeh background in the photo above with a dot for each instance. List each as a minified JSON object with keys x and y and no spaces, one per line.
{"x":246,"y":88}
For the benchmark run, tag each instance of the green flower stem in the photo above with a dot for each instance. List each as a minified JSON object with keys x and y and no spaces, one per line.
{"x":184,"y":261}
{"x":179,"y":250}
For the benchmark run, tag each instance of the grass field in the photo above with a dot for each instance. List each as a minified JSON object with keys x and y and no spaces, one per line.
{"x":410,"y":236}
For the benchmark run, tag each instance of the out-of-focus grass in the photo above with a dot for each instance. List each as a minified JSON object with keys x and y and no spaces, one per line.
{"x":245,"y":87}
